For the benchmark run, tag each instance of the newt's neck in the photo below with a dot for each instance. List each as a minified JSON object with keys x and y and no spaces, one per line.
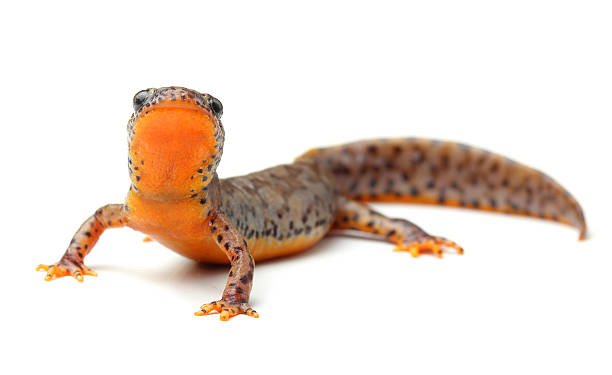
{"x":153,"y":215}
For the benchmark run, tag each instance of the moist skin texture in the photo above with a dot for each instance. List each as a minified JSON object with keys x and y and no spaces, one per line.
{"x":175,"y":139}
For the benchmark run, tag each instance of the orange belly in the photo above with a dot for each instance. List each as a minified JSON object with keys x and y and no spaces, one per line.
{"x":182,"y":226}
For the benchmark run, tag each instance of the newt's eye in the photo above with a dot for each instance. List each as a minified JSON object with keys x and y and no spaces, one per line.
{"x":140,"y":98}
{"x":215,"y":106}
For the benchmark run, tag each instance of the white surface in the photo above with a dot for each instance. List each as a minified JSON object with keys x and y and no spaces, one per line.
{"x":529,"y":79}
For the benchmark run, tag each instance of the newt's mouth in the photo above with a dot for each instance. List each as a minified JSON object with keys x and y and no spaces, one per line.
{"x":176,"y":97}
{"x":173,"y":104}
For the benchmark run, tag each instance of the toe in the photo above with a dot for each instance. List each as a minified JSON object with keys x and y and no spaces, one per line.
{"x":42,"y":267}
{"x":225,"y":315}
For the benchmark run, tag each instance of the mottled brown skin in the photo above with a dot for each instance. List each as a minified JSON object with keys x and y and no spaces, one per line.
{"x":175,"y":140}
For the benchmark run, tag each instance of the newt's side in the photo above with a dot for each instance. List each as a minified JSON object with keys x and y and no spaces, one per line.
{"x":175,"y":139}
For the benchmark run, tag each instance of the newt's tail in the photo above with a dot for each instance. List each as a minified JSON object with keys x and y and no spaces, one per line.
{"x":445,"y":173}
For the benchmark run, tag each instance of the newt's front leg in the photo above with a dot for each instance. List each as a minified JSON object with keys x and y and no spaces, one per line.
{"x":235,"y":299}
{"x":109,"y":216}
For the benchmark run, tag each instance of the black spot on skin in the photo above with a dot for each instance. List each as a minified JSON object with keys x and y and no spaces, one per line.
{"x":505,"y":182}
{"x":87,"y":234}
{"x":232,"y":284}
{"x":194,"y":195}
{"x":493,"y":202}
{"x":444,"y":161}
{"x":250,"y":275}
{"x":373,"y":183}
{"x":372,"y":150}
{"x":414,"y":191}
{"x":203,"y":201}
{"x":219,"y":238}
{"x":200,"y":170}
{"x":441,"y":198}
{"x":244,"y":279}
{"x":227,"y":245}
{"x":137,"y":178}
{"x":391,"y":233}
{"x":475,"y":203}
{"x":341,"y":170}
{"x":431,"y":184}
{"x":370,"y":224}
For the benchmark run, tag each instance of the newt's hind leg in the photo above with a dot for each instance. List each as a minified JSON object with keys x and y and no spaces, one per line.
{"x":406,"y":235}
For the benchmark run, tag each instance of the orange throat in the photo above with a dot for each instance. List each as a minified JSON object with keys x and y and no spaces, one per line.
{"x":170,"y":150}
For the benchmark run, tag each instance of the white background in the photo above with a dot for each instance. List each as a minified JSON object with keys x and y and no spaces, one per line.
{"x":529,"y":79}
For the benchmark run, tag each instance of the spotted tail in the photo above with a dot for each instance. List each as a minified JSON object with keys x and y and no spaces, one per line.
{"x":445,"y":173}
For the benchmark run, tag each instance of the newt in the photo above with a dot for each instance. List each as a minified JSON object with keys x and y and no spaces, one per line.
{"x":175,"y":143}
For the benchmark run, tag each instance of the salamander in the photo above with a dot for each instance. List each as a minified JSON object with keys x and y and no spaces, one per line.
{"x":175,"y":143}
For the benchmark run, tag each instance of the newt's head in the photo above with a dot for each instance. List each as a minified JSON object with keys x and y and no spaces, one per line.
{"x":175,"y":140}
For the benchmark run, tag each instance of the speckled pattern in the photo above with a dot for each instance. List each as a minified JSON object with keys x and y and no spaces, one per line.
{"x":445,"y":173}
{"x":296,"y":210}
{"x":175,"y":139}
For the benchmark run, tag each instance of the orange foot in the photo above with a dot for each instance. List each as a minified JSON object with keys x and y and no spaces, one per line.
{"x":435,"y":245}
{"x":65,"y":268}
{"x":226,"y":309}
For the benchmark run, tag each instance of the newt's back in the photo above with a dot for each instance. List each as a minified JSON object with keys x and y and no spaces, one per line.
{"x":280,"y":210}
